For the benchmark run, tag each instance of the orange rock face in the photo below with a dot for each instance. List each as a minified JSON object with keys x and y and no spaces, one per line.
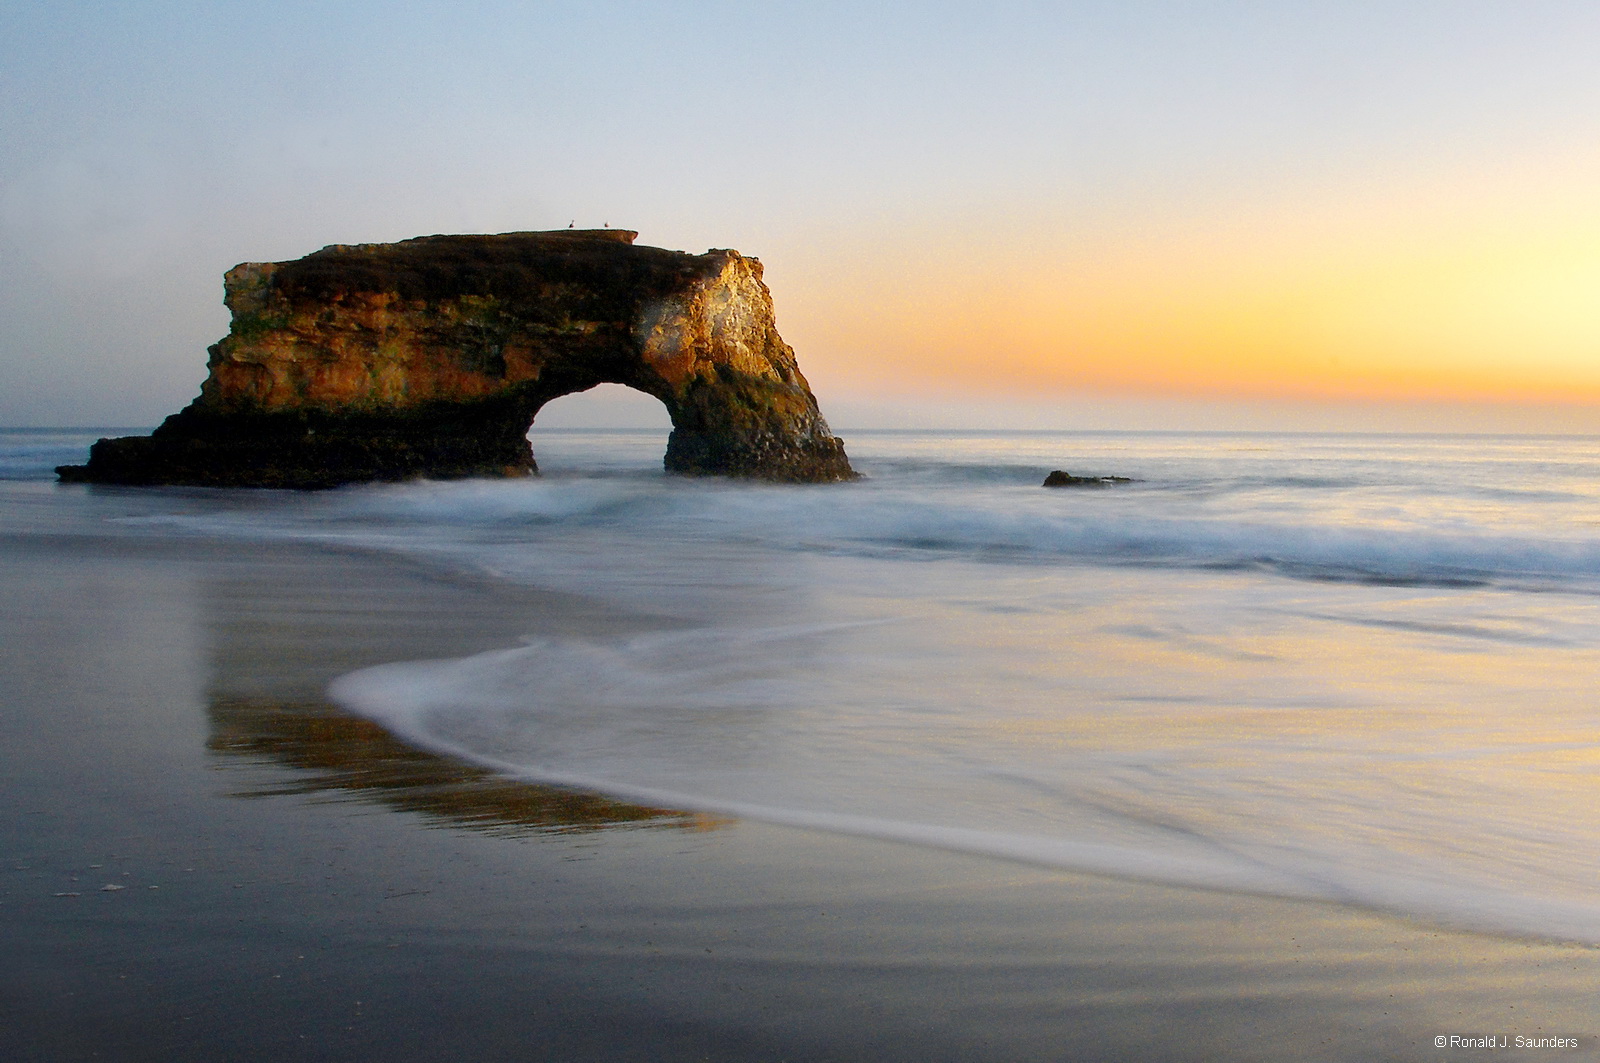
{"x":432,"y":357}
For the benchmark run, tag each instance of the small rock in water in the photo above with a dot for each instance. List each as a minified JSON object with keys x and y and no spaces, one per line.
{"x":1062,"y":478}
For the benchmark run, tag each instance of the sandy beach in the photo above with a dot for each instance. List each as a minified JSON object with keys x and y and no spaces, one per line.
{"x":205,"y":860}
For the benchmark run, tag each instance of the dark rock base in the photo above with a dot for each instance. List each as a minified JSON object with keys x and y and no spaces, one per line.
{"x":312,"y":450}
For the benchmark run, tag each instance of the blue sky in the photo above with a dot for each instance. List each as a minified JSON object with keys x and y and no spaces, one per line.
{"x":911,"y":175}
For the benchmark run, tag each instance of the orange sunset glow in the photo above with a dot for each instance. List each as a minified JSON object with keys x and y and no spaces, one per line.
{"x":1472,"y":296}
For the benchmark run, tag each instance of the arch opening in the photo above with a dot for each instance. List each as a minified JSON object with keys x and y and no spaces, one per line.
{"x":608,"y":430}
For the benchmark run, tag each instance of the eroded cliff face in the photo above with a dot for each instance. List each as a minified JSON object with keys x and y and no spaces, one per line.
{"x":431,"y":357}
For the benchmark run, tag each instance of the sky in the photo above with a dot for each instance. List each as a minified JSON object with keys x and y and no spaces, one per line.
{"x":1049,"y":215}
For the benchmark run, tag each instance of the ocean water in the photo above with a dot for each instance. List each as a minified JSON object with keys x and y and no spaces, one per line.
{"x":1356,"y":669}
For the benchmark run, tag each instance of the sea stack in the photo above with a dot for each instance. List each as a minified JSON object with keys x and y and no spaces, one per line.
{"x":432,"y":356}
{"x":1062,"y":478}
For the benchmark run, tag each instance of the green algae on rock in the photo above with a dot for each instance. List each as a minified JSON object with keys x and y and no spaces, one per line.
{"x":432,"y":356}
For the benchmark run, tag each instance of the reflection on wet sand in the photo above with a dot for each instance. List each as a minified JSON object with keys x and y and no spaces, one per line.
{"x":333,"y":752}
{"x":282,"y":622}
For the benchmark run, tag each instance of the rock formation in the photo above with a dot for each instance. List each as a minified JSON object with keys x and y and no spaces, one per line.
{"x":432,"y":356}
{"x":1062,"y":478}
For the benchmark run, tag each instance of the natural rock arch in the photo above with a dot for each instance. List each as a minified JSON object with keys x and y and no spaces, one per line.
{"x":433,"y":357}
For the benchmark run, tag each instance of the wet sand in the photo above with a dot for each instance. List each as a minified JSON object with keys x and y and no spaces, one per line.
{"x":294,"y":885}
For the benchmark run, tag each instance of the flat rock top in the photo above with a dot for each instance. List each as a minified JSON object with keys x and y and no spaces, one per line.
{"x":507,"y":266}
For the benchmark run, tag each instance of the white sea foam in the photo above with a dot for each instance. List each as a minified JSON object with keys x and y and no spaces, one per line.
{"x":1139,"y":525}
{"x":1370,"y":803}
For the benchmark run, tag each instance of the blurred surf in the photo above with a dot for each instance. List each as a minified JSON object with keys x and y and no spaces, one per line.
{"x":1355,"y":669}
